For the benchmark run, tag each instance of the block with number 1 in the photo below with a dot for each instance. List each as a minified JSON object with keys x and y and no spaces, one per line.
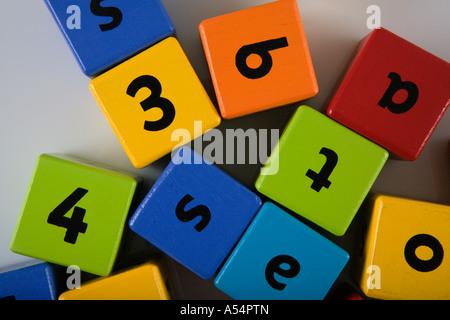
{"x":74,"y":213}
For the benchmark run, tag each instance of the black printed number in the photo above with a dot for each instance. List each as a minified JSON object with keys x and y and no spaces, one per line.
{"x":275,"y":267}
{"x":189,"y":215}
{"x":320,"y":180}
{"x":262,"y":49}
{"x":112,"y":12}
{"x":74,"y":224}
{"x":154,"y":101}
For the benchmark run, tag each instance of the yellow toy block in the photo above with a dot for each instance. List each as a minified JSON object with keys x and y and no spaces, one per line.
{"x":405,"y":253}
{"x":147,"y":98}
{"x":148,"y":281}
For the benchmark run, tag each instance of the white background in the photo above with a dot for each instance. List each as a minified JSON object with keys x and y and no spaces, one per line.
{"x":46,"y":105}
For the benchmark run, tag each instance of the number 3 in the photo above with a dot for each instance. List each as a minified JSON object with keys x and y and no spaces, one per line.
{"x":154,"y":101}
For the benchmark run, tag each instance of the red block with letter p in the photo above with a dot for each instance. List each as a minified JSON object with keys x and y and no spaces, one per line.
{"x":393,"y":93}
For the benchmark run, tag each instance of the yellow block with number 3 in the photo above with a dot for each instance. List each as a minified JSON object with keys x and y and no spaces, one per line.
{"x":148,"y":97}
{"x":407,"y":250}
{"x":148,"y":281}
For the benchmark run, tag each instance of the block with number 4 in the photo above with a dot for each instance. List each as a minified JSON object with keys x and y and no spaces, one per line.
{"x":151,"y":96}
{"x":101,"y":33}
{"x":74,"y":213}
{"x":324,"y":170}
{"x":405,"y":250}
{"x":258,"y":58}
{"x":280,"y":258}
{"x":195,"y":213}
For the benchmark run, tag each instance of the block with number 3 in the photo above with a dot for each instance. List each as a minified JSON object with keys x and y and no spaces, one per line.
{"x":74,"y":213}
{"x":151,"y":96}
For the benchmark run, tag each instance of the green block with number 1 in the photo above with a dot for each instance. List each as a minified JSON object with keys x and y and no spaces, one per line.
{"x":74,"y":213}
{"x":323,"y":170}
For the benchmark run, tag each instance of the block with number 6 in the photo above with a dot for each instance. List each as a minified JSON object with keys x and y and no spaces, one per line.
{"x":74,"y":213}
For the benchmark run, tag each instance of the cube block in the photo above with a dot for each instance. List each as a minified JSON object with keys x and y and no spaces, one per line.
{"x":103,"y":34}
{"x":149,"y":97}
{"x":404,"y":254}
{"x":280,"y":258}
{"x":258,"y":58}
{"x":393,"y":92}
{"x":36,"y":282}
{"x":195,"y":213}
{"x":74,"y":213}
{"x":324,"y":170}
{"x":148,"y":281}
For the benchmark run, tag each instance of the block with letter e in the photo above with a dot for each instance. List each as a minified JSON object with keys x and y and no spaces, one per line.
{"x":74,"y":213}
{"x":280,"y":258}
{"x":258,"y":58}
{"x":393,"y":93}
{"x":195,"y":213}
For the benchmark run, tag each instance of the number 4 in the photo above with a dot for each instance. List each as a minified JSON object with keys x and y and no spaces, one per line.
{"x":75,"y":224}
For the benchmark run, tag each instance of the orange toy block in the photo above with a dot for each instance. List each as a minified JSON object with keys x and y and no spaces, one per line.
{"x":258,"y":58}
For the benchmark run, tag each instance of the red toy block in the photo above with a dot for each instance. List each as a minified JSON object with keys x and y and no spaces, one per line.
{"x":393,"y":93}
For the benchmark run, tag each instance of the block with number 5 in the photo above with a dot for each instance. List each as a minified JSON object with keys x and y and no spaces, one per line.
{"x":74,"y":213}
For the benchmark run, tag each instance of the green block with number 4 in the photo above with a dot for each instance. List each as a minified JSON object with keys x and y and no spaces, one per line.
{"x":74,"y":213}
{"x":321,"y":170}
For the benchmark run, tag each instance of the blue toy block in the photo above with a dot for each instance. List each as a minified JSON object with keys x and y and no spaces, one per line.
{"x":195,"y":213}
{"x":36,"y":282}
{"x":103,"y":33}
{"x":279,"y":257}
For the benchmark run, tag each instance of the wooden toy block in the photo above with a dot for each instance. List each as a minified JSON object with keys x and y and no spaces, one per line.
{"x":280,"y":258}
{"x":258,"y":58}
{"x":103,"y":34}
{"x":148,"y":281}
{"x":324,"y":170}
{"x":36,"y":282}
{"x":195,"y":213}
{"x":394,"y":93}
{"x":403,"y":254}
{"x":151,"y":96}
{"x":74,"y":213}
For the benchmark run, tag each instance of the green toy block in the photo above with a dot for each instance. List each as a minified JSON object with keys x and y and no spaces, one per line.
{"x":74,"y":213}
{"x":325,"y":170}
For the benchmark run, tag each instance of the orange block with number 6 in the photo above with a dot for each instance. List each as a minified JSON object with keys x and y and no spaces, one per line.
{"x":258,"y":58}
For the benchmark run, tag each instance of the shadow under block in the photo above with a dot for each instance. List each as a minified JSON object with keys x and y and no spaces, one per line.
{"x":148,"y":281}
{"x":407,"y":242}
{"x":258,"y":58}
{"x":393,"y":93}
{"x":36,"y":282}
{"x":324,"y":170}
{"x":74,"y":213}
{"x":280,"y":258}
{"x":153,"y":100}
{"x":195,"y":213}
{"x":102,"y":34}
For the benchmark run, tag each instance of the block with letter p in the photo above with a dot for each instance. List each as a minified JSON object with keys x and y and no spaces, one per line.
{"x":195,"y":213}
{"x":74,"y":213}
{"x":258,"y":58}
{"x":393,"y":93}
